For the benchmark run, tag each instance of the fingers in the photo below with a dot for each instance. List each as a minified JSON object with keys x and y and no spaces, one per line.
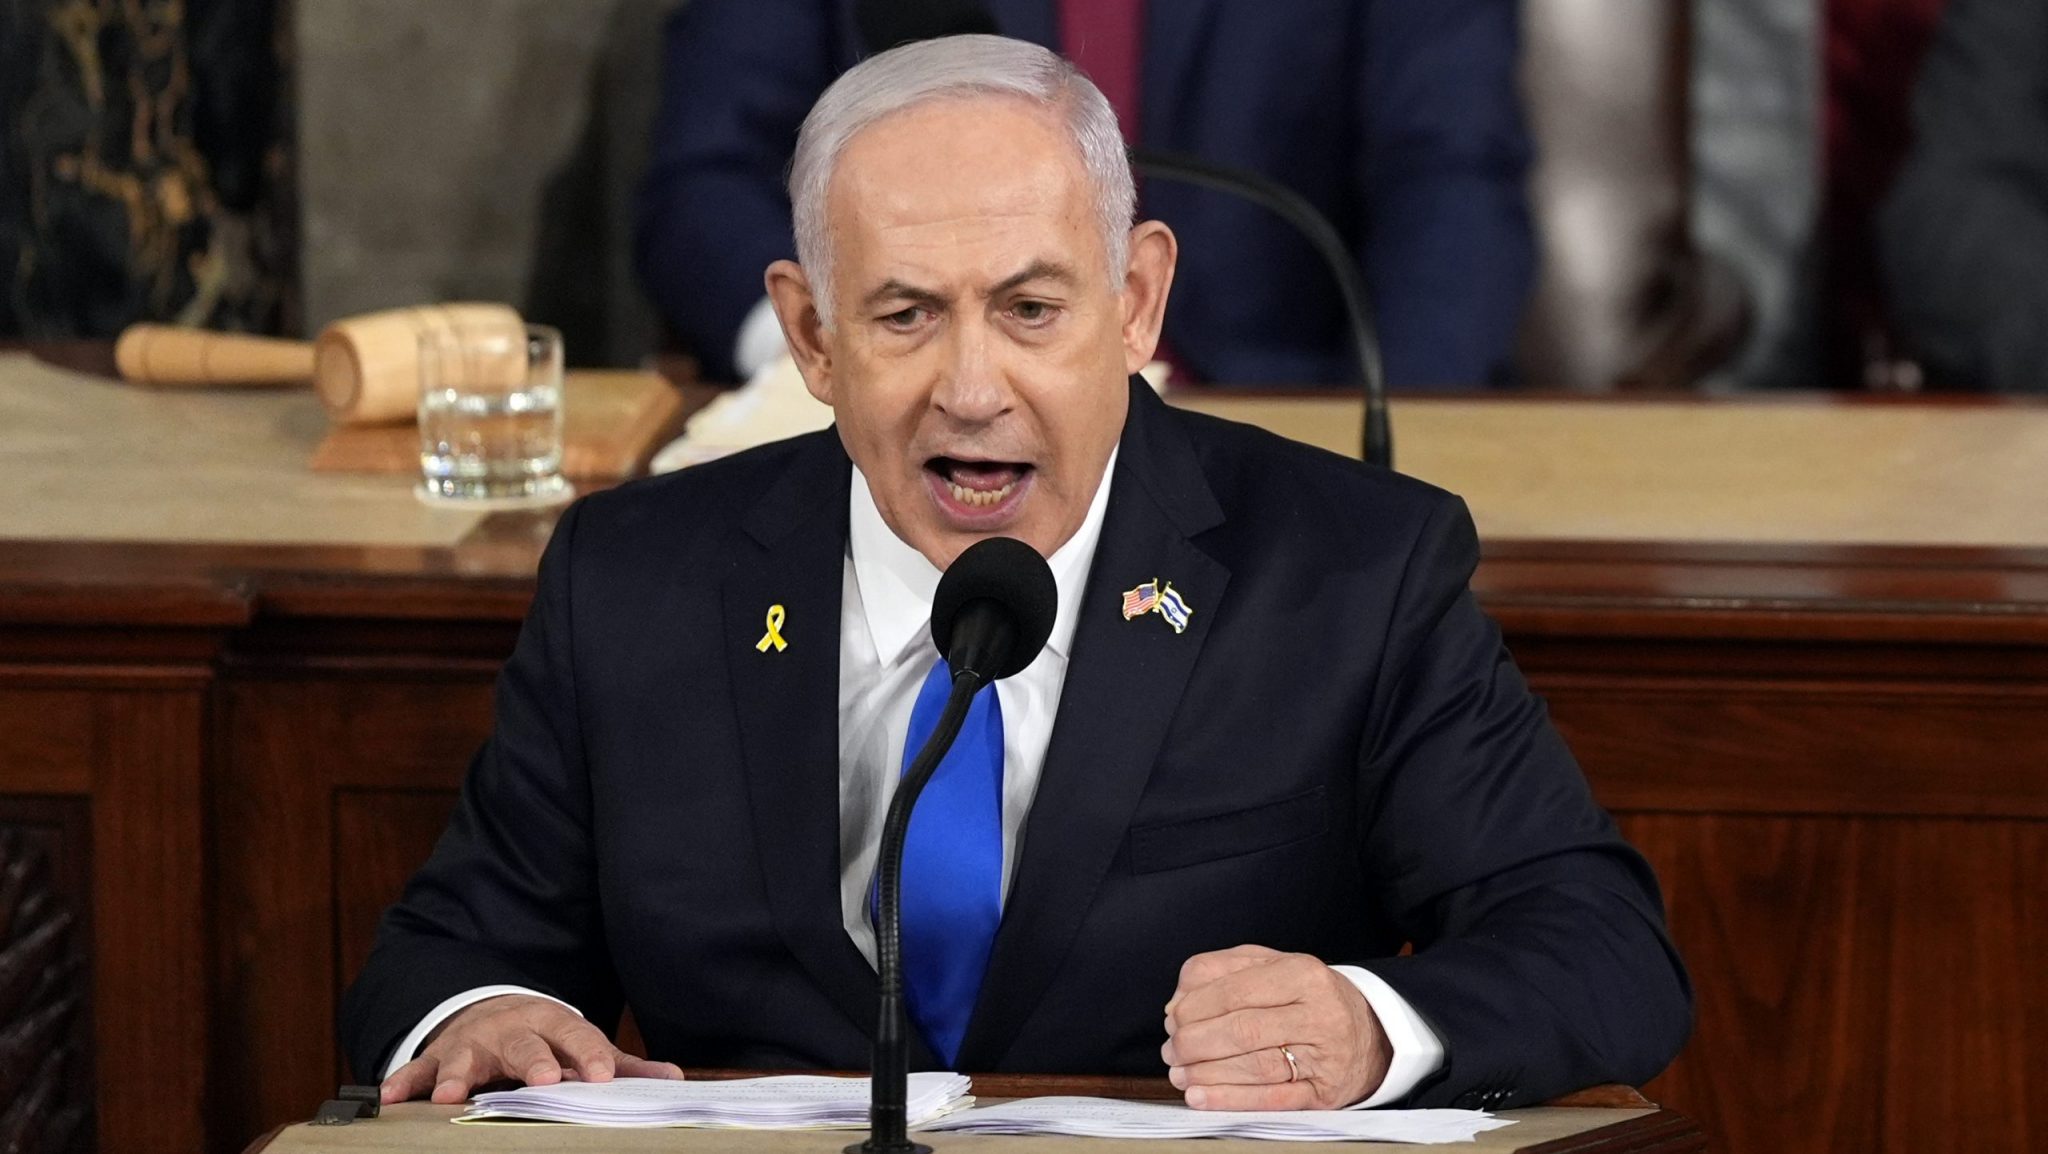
{"x":467,"y":1067}
{"x":1258,"y":1068}
{"x":1239,"y":1033}
{"x":582,"y":1047}
{"x":632,"y":1067}
{"x":1203,"y":969}
{"x":1263,"y":1080}
{"x":1283,"y":1096}
{"x":415,"y":1079}
{"x":1274,"y":981}
{"x":530,"y":1040}
{"x":526,"y":1055}
{"x":1236,"y":1008}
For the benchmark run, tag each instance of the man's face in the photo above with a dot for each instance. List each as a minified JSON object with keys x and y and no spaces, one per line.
{"x":978,"y":357}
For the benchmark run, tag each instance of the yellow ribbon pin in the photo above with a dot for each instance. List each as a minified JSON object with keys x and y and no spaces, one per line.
{"x":774,"y":635}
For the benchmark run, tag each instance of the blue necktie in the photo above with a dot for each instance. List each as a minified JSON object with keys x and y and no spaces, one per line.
{"x":952,"y":865}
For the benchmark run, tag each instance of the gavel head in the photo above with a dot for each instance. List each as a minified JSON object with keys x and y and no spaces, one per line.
{"x":367,"y":368}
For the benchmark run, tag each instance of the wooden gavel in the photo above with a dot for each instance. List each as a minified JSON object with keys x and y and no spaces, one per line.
{"x":366,"y":368}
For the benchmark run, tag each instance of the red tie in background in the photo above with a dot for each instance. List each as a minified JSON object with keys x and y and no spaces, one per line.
{"x":1106,"y":39}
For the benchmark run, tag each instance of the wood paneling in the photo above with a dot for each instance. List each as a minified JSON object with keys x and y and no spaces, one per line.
{"x":379,"y":840}
{"x":121,"y":752}
{"x":1864,"y":983}
{"x":1787,"y":974}
{"x":333,"y":789}
{"x":46,"y":738}
{"x":1966,"y":998}
{"x":1749,"y":746}
{"x":149,"y":942}
{"x":273,"y":949}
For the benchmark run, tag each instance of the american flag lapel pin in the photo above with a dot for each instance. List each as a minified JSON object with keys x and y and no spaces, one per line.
{"x":1142,"y":600}
{"x":1163,"y":599}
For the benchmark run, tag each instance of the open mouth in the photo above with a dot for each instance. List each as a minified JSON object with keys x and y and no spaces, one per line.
{"x":977,"y":487}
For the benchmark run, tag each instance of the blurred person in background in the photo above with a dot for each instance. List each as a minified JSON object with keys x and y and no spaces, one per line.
{"x":1400,"y":121}
{"x":1965,"y":231}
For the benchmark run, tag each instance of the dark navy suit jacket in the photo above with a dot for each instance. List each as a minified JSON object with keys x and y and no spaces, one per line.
{"x":1398,"y":118}
{"x":1337,"y":757}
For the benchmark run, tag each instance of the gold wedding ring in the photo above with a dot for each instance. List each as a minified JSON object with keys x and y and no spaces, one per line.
{"x":1293,"y":1067}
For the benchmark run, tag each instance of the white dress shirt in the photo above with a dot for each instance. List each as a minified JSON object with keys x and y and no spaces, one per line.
{"x":885,"y":653}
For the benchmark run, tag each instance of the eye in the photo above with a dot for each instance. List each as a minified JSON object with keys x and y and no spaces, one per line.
{"x":906,"y":319}
{"x":1033,"y":313}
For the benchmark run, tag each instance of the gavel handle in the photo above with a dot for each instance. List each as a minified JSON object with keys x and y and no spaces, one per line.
{"x":164,"y":355}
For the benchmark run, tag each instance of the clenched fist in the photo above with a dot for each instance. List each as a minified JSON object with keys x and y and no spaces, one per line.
{"x":516,"y":1037}
{"x":1237,"y":1016}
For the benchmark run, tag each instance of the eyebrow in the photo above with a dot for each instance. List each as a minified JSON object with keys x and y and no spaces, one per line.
{"x":900,"y":290}
{"x":1036,"y":270}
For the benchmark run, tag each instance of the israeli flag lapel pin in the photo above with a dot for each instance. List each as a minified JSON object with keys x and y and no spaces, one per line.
{"x":1163,"y":599}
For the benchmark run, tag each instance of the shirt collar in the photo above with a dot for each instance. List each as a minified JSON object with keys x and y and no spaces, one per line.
{"x":897,"y":583}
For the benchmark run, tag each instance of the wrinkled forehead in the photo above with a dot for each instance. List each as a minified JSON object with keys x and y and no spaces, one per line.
{"x":957,"y":169}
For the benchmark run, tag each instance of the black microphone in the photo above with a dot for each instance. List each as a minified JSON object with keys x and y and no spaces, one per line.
{"x":884,"y":24}
{"x":1322,"y":236}
{"x":990,"y":617}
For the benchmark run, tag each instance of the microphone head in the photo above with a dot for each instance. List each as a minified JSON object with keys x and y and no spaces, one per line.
{"x":884,"y":24}
{"x":994,"y":608}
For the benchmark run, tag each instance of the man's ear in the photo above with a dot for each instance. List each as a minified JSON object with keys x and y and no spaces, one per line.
{"x":789,"y":290}
{"x":1147,"y":280}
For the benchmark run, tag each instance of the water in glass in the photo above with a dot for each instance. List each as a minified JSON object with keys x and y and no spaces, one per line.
{"x":490,"y":415}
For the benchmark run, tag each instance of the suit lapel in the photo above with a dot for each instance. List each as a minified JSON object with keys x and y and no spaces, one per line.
{"x":787,"y":701}
{"x":1124,"y":681}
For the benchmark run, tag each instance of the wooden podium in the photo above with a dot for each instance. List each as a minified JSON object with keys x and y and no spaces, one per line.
{"x":236,"y":700}
{"x":1605,"y":1120}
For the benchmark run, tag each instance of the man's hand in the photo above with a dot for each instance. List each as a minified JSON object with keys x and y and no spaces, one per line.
{"x":1235,"y":1009}
{"x":515,"y":1037}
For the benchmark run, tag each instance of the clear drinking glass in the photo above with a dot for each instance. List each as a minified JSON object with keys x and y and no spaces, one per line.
{"x":491,"y":415}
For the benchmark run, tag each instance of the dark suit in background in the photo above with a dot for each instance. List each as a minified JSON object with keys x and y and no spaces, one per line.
{"x":1965,"y":233}
{"x":1398,"y":119}
{"x":1337,"y":757}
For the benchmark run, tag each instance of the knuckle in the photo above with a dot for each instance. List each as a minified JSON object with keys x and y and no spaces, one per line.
{"x":1266,"y":1068}
{"x":536,"y":1013}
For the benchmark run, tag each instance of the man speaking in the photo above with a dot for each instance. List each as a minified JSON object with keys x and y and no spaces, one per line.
{"x":1271,"y":740}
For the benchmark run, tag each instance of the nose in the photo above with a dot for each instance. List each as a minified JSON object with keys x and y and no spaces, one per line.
{"x":972,"y":388}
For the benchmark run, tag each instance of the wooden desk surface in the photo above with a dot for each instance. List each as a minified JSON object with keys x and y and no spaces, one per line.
{"x":1777,"y":469}
{"x":197,"y":507}
{"x":96,"y":459}
{"x":100,"y":460}
{"x":417,"y":1126}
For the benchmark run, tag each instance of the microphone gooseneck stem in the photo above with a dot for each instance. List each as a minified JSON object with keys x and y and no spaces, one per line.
{"x":888,"y":1119}
{"x":1292,"y":207}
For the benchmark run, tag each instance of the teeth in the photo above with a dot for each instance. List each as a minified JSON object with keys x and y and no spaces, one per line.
{"x":980,"y":497}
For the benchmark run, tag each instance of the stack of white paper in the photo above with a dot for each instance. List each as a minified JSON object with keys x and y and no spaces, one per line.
{"x":793,"y":1102}
{"x":1108,"y":1118}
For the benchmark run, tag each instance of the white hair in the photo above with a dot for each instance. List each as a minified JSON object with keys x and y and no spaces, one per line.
{"x":957,"y":66}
